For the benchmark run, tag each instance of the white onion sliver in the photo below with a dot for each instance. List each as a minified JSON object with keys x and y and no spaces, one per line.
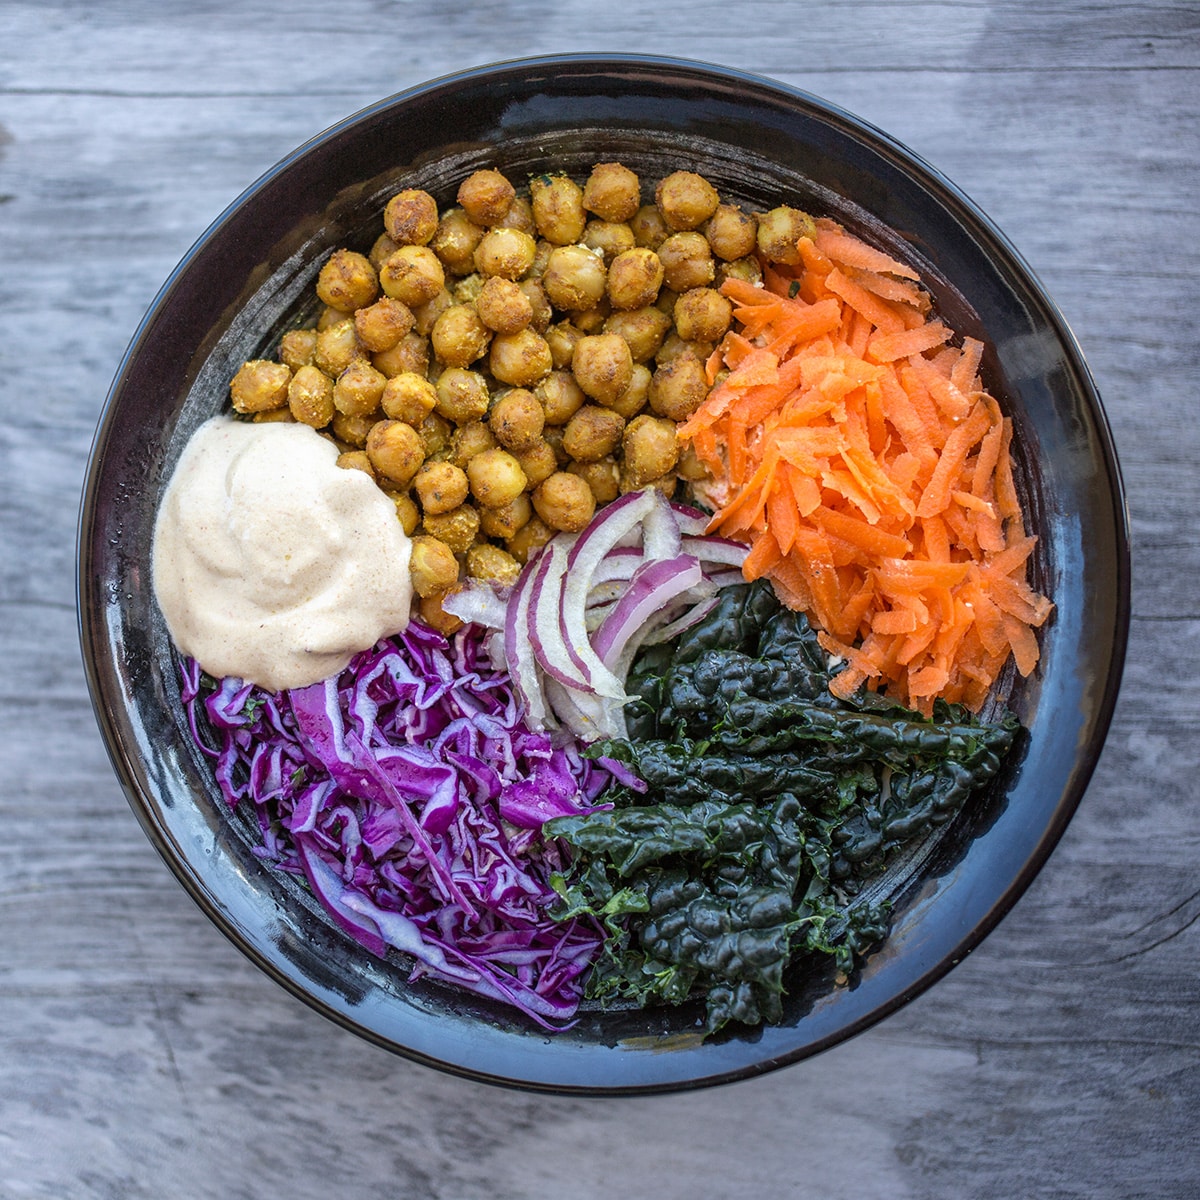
{"x":543,"y":621}
{"x":478,"y":603}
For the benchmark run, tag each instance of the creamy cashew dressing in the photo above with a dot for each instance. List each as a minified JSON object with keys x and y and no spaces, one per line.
{"x":273,"y":564}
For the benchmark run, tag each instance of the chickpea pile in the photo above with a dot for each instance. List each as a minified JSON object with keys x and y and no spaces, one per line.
{"x":505,"y":366}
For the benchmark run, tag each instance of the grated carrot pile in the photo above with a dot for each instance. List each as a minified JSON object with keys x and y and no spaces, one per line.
{"x":853,"y":445}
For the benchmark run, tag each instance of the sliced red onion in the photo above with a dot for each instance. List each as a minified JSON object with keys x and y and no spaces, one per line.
{"x":653,"y":587}
{"x":723,"y":551}
{"x":691,"y":521}
{"x":544,"y":621}
{"x":480,"y":604}
{"x":518,"y":650}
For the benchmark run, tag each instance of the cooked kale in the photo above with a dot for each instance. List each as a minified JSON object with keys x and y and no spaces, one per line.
{"x":768,"y":804}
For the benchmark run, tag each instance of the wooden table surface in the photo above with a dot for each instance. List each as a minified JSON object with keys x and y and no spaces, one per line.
{"x":142,"y":1056}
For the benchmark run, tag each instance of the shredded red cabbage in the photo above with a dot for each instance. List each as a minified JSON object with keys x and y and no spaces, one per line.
{"x":410,"y":794}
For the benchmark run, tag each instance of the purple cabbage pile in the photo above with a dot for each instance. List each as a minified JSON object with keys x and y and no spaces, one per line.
{"x":410,"y":794}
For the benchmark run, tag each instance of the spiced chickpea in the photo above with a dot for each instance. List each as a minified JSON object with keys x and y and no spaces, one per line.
{"x":634,"y":278}
{"x":521,"y":358}
{"x":395,"y":450}
{"x":610,"y":238}
{"x":674,"y":347}
{"x":687,"y":261}
{"x":502,"y":305}
{"x":558,"y":210}
{"x":633,"y":399}
{"x":690,"y":467}
{"x":347,"y":281}
{"x":296,"y":348}
{"x":274,"y":416}
{"x":650,"y":448}
{"x":310,"y":397}
{"x":560,"y":395}
{"x":642,"y":328}
{"x":435,"y":433}
{"x":458,"y":528}
{"x":357,"y":460}
{"x":358,"y":389}
{"x":337,"y":347}
{"x":432,"y":612}
{"x":593,"y":320}
{"x":462,"y":395}
{"x":508,"y":253}
{"x":592,"y":433}
{"x":408,"y":397}
{"x":469,"y":440}
{"x":496,"y":478}
{"x":425,"y":315}
{"x":414,"y":274}
{"x":411,"y":217}
{"x":529,"y":539}
{"x":490,"y":563}
{"x":503,"y":522}
{"x":561,"y":339}
{"x":351,"y":431}
{"x":431,"y":565}
{"x":459,"y":337}
{"x":679,"y":388}
{"x":649,"y":228}
{"x":517,"y":419}
{"x":602,"y":476}
{"x":466,"y":289}
{"x":747,"y":269}
{"x":381,"y":325}
{"x":455,"y":241}
{"x":552,"y":435}
{"x":519,"y":216}
{"x":440,"y":486}
{"x":613,"y":192}
{"x":731,"y":232}
{"x":539,"y":461}
{"x":685,"y":199}
{"x":539,"y":303}
{"x":381,"y":250}
{"x":602,"y":366}
{"x":410,"y":353}
{"x":779,"y":230}
{"x":485,"y":196}
{"x":575,"y":278}
{"x":702,"y":315}
{"x":260,"y":386}
{"x":407,"y":512}
{"x":331,"y":316}
{"x":564,"y":502}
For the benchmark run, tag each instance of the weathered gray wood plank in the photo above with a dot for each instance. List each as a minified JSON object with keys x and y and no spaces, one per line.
{"x":140,"y":1055}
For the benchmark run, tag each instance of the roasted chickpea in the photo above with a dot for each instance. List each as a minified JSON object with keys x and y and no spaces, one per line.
{"x":609,"y":238}
{"x":633,"y":399}
{"x":467,"y":288}
{"x":685,"y":199}
{"x":679,"y":388}
{"x":650,"y":448}
{"x":593,"y":320}
{"x":613,"y":192}
{"x":274,"y":416}
{"x":731,"y":232}
{"x":520,"y":358}
{"x":496,"y":478}
{"x":517,"y":419}
{"x":665,"y":484}
{"x":602,"y":366}
{"x":381,"y":250}
{"x":539,"y":303}
{"x":558,"y":209}
{"x":440,"y":486}
{"x":259,"y":386}
{"x":347,"y":281}
{"x":490,"y":563}
{"x":356,"y":460}
{"x":469,"y":440}
{"x":687,"y":261}
{"x":592,"y":433}
{"x":561,"y":339}
{"x":702,"y":315}
{"x":425,"y":315}
{"x":337,"y":347}
{"x":565,"y":502}
{"x":414,"y":274}
{"x":431,"y":565}
{"x":435,"y":433}
{"x":411,"y":217}
{"x":552,"y":435}
{"x":410,"y":353}
{"x":634,"y":278}
{"x":459,"y":337}
{"x":642,"y":328}
{"x":395,"y":450}
{"x":485,"y":196}
{"x":502,"y":306}
{"x":674,"y":347}
{"x":560,"y":396}
{"x":407,"y":512}
{"x":519,"y":216}
{"x":431,"y":610}
{"x":748,"y":269}
{"x":408,"y":397}
{"x":331,"y":316}
{"x":296,"y":347}
{"x":358,"y":389}
{"x":779,"y":230}
{"x":310,"y":397}
{"x":351,"y":431}
{"x":529,"y":539}
{"x":602,"y":476}
{"x":455,"y":241}
{"x":458,"y":528}
{"x":381,"y":325}
{"x":649,"y":228}
{"x":539,"y":461}
{"x":462,"y":395}
{"x":690,"y":467}
{"x":575,"y":278}
{"x":504,"y":521}
{"x":508,"y":253}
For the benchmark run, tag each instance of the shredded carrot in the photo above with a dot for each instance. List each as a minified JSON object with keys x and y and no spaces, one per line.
{"x":857,"y":452}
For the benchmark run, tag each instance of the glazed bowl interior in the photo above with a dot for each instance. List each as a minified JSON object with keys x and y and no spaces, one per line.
{"x":251,"y":276}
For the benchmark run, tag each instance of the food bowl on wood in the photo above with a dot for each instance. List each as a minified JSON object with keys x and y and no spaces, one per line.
{"x":761,"y":144}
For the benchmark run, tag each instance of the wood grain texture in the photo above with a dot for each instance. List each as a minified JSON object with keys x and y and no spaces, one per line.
{"x":141,"y":1056}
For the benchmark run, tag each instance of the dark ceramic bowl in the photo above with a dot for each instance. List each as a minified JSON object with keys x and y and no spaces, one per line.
{"x":762,"y":143}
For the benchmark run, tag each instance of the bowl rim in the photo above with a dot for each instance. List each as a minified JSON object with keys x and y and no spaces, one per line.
{"x":127,"y":766}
